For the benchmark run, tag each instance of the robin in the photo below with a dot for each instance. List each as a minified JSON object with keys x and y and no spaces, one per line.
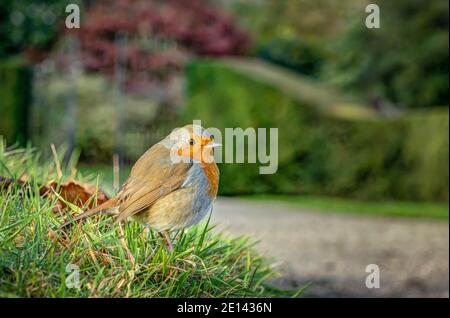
{"x":172,"y":186}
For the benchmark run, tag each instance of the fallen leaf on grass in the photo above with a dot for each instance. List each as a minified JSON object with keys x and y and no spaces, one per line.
{"x":79,"y":194}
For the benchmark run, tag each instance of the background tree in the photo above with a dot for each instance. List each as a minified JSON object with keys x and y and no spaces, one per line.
{"x":29,"y":26}
{"x":294,"y":33}
{"x":405,"y":61}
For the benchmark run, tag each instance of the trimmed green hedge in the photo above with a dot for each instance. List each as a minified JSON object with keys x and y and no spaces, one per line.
{"x":319,"y":153}
{"x":294,"y":54}
{"x":15,"y":99}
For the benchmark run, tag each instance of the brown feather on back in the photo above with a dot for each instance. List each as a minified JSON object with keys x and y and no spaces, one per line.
{"x":152,"y":177}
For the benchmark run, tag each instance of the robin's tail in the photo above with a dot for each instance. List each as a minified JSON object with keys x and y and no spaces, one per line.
{"x":106,"y":205}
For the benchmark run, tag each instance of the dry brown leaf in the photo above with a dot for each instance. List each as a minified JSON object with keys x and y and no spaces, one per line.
{"x":76,"y":193}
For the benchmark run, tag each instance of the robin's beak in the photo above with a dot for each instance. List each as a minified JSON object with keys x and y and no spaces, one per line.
{"x":213,"y":145}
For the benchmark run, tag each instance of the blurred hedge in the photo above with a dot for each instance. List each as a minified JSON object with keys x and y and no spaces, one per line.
{"x":320,"y":154}
{"x":406,"y":61}
{"x":15,"y":99}
{"x":295,"y":54}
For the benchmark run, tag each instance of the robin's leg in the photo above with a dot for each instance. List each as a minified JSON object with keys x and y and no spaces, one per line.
{"x":165,"y":235}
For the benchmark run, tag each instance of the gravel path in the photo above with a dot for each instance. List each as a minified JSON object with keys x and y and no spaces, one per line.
{"x":333,"y":250}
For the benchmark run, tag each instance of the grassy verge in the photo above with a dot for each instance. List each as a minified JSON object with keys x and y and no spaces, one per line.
{"x":37,"y":259}
{"x":390,"y":208}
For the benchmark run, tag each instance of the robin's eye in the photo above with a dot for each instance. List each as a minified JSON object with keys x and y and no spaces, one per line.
{"x":212,"y":137}
{"x":191,"y":142}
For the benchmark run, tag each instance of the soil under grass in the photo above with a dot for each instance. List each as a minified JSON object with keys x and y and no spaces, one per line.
{"x":37,"y":259}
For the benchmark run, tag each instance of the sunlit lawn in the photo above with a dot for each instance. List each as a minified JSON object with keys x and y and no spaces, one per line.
{"x":391,"y":208}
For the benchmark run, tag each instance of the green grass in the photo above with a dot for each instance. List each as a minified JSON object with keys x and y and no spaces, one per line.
{"x":114,"y":261}
{"x":390,"y":208}
{"x":105,"y":174}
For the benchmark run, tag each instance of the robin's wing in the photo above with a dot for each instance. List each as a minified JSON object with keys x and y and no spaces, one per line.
{"x":152,"y":177}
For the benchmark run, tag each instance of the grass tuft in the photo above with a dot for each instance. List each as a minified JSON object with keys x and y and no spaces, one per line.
{"x":37,"y":259}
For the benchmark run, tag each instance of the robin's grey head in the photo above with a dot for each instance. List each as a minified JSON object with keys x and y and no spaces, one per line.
{"x":191,"y":141}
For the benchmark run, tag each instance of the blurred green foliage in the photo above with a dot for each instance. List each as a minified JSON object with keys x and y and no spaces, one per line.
{"x":305,"y":58}
{"x":319,"y":153}
{"x":405,"y":61}
{"x":308,"y":20}
{"x":98,"y":112}
{"x":28,"y":29}
{"x":294,"y":33}
{"x":29,"y":25}
{"x":327,"y":145}
{"x":15,"y":98}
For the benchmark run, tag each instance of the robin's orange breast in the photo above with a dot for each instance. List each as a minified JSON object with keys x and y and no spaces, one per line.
{"x":212,"y":174}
